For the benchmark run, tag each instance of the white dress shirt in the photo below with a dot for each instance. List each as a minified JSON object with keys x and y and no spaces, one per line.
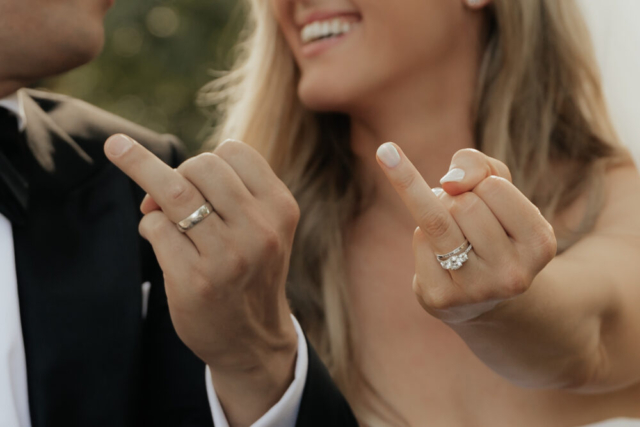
{"x":285,"y":412}
{"x":14,"y":400}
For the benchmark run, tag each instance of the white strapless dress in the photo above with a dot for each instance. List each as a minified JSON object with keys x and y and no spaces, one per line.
{"x":618,"y":422}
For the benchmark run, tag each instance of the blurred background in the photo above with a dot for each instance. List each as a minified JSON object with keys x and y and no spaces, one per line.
{"x":157,"y":55}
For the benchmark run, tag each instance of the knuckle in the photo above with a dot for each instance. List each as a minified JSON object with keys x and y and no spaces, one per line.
{"x":269,"y":241}
{"x":238,"y":262}
{"x":201,"y":282}
{"x":181,"y":192}
{"x":502,"y":169}
{"x":438,"y":298}
{"x":464,"y":204}
{"x":417,"y":288}
{"x":435,"y":222}
{"x":471,"y":159}
{"x":514,"y":282}
{"x":467,"y":153}
{"x":152,"y":225}
{"x":433,"y":297}
{"x":289,"y":207}
{"x":405,"y":180}
{"x":196,"y":164}
{"x":490,"y":185}
{"x":229,"y":148}
{"x":546,"y":244}
{"x":418,"y":235}
{"x":187,"y":166}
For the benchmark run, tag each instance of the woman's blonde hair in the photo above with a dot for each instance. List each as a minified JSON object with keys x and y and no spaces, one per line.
{"x":539,"y":108}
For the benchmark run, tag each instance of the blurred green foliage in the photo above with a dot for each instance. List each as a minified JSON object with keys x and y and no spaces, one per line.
{"x":157,"y":55}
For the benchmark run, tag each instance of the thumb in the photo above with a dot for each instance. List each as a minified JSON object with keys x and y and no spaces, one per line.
{"x":469,"y":168}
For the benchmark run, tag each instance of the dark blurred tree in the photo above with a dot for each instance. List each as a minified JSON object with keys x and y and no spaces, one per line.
{"x":157,"y":55}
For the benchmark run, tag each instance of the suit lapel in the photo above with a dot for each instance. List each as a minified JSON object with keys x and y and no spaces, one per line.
{"x":57,"y":163}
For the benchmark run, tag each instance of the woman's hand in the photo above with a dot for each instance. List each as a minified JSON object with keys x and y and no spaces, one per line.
{"x":511,"y":240}
{"x":225,"y":277}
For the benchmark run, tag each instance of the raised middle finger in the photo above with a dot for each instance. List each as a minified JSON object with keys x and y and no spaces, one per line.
{"x":177,"y":197}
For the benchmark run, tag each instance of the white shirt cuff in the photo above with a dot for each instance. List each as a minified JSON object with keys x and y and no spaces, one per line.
{"x":285,"y":412}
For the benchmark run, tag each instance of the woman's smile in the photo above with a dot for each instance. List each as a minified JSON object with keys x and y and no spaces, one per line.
{"x":323,"y":30}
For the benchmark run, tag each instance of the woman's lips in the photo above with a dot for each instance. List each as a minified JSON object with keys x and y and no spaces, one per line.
{"x":328,"y":15}
{"x":319,"y":46}
{"x":321,"y":34}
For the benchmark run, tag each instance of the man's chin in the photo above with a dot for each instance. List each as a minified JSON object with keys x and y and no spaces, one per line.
{"x":83,"y":52}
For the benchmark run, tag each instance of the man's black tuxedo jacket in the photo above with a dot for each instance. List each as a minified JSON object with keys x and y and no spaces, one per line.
{"x":92,"y":360}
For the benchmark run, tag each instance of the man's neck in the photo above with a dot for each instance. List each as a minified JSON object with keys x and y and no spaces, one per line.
{"x":7,"y":87}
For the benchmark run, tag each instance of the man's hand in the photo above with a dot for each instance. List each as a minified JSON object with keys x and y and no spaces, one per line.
{"x":225,"y":277}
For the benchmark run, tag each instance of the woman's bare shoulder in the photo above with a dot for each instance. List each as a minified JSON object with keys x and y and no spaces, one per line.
{"x":621,"y":206}
{"x":620,"y":209}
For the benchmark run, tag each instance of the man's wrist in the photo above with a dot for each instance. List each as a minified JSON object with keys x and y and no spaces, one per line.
{"x":260,"y":384}
{"x":265,"y":365}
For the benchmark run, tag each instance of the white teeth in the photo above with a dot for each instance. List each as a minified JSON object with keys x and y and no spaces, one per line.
{"x":319,"y":30}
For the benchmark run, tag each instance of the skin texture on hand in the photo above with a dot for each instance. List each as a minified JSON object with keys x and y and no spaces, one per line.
{"x":224,"y":277}
{"x":511,"y":240}
{"x":536,"y":319}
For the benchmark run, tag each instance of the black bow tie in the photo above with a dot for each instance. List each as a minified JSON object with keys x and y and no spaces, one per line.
{"x":14,"y":188}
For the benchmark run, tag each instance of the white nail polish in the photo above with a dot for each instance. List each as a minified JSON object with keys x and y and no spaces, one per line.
{"x":454,"y":175}
{"x":389,"y":155}
{"x":437,"y":191}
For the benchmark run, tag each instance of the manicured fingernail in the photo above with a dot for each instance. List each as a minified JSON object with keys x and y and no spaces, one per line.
{"x":388,"y":154}
{"x":117,"y":145}
{"x":454,"y":175}
{"x":437,"y":191}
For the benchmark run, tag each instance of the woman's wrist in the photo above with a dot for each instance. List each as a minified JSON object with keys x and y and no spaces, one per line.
{"x":539,"y":339}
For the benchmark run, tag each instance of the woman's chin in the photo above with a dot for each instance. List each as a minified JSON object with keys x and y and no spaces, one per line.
{"x":327,"y":100}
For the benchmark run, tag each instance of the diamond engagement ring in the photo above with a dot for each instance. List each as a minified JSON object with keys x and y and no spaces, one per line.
{"x":454,"y":259}
{"x":195,"y":218}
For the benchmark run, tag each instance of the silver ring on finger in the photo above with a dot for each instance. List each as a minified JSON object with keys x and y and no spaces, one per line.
{"x":195,"y":218}
{"x":455,"y":259}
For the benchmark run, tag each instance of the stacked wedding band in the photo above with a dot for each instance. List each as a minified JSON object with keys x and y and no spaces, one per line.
{"x":456,"y":258}
{"x":195,"y":218}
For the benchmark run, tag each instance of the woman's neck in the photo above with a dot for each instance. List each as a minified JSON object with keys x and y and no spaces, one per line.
{"x":430,"y":121}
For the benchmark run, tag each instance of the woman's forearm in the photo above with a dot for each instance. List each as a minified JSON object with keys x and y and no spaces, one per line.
{"x":556,"y":335}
